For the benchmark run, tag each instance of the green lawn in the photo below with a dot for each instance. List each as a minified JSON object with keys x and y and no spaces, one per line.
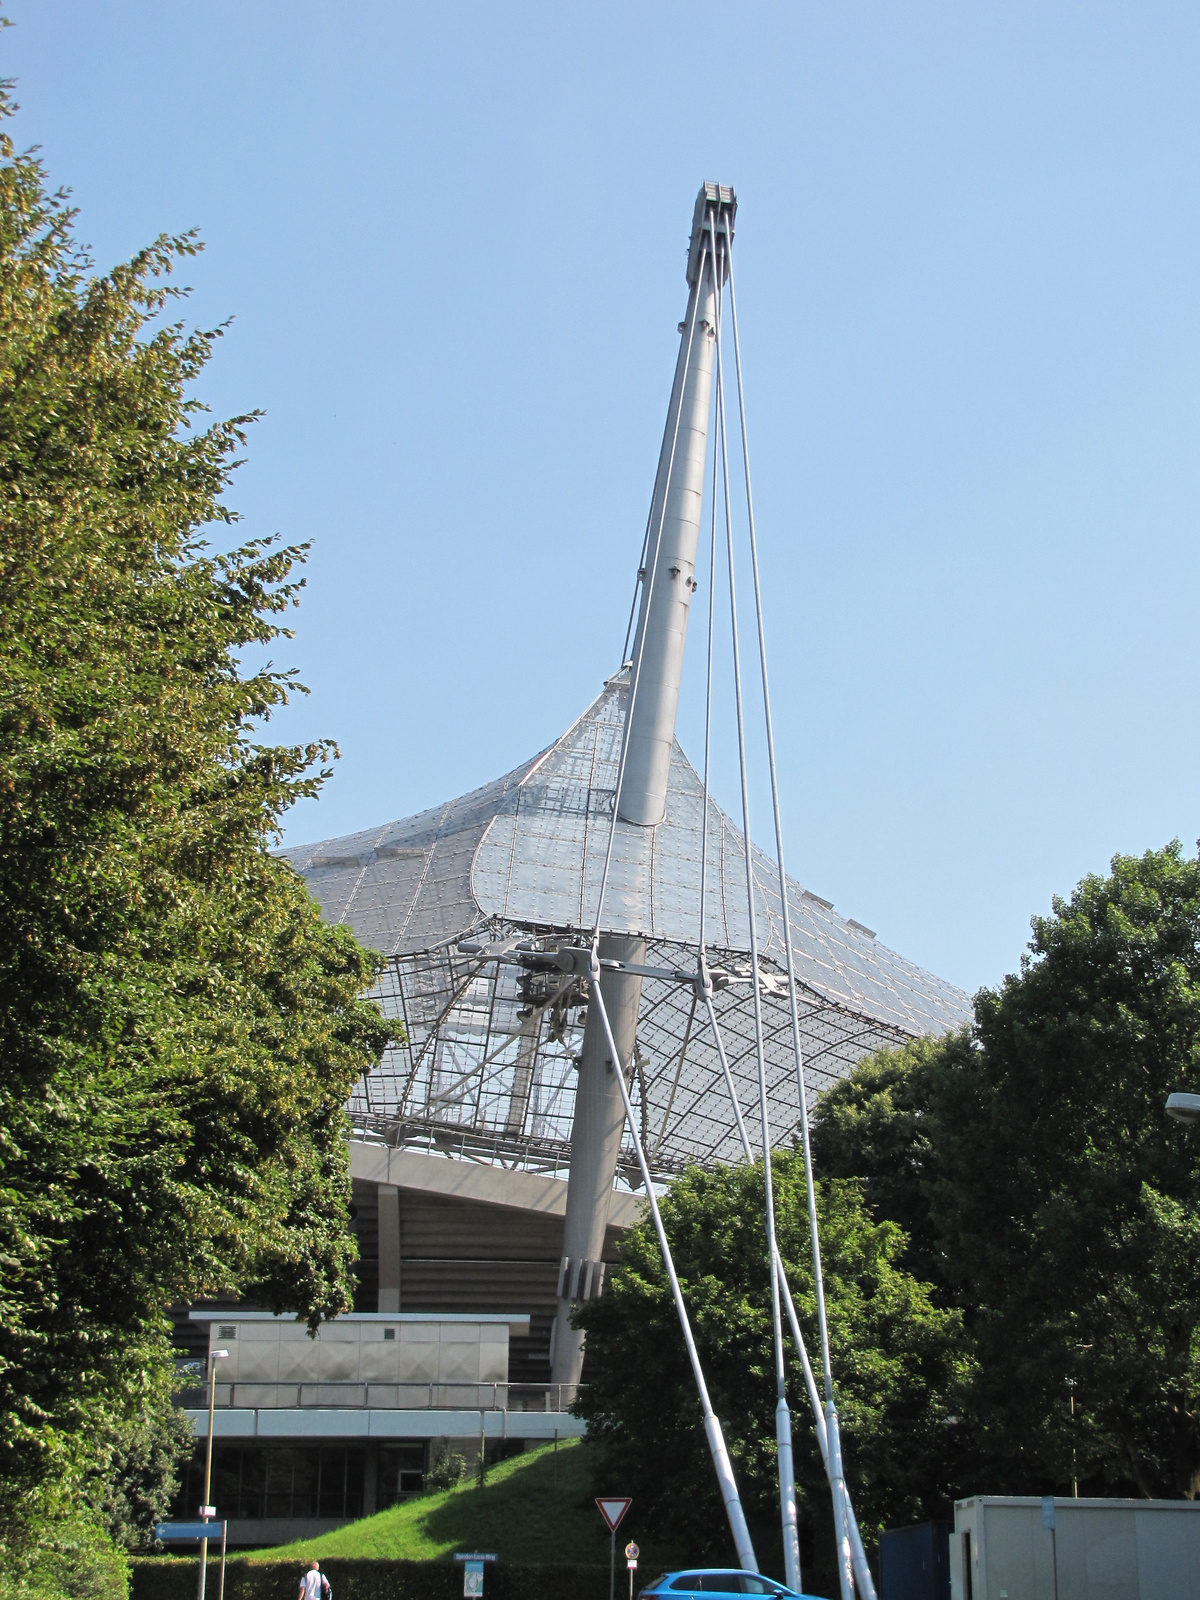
{"x":535,"y":1508}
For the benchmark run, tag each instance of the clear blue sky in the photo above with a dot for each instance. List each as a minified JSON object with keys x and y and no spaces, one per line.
{"x":452,"y":240}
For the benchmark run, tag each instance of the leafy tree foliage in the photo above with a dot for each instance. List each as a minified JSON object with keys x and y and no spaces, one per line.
{"x":64,"y":1555}
{"x":178,"y":1028}
{"x":1054,"y":1202}
{"x":138,"y":1482}
{"x":897,"y":1358}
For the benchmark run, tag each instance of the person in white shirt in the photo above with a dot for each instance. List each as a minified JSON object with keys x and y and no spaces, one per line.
{"x":313,"y":1586}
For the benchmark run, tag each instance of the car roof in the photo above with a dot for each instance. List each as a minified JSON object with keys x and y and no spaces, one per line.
{"x":714,"y":1572}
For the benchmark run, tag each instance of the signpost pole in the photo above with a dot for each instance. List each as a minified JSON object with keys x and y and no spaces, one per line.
{"x":612,"y":1508}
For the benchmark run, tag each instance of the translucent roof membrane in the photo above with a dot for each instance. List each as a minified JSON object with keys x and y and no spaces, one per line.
{"x":488,"y":1070}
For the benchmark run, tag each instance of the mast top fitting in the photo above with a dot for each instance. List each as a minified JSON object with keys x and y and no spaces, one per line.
{"x":714,"y":199}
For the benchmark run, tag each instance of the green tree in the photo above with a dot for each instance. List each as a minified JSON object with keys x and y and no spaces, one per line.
{"x":1057,"y":1204}
{"x":875,"y":1126}
{"x":179,"y":1030}
{"x":897,"y":1358}
{"x":137,"y":1483}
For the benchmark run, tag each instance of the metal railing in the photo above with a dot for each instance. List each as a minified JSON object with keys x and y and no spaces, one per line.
{"x":308,"y":1394}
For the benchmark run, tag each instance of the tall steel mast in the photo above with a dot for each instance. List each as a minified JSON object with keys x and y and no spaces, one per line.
{"x":655,"y":669}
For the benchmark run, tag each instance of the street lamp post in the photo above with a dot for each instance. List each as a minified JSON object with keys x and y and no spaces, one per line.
{"x":206,"y":1510}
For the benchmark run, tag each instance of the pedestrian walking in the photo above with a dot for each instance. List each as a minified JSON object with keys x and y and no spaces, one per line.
{"x":314,"y":1585}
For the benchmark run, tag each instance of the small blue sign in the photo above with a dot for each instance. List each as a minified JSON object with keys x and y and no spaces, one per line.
{"x":188,"y":1530}
{"x":1048,"y":1512}
{"x":474,"y":1555}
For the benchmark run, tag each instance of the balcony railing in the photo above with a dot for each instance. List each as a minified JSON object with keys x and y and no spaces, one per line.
{"x":305,"y":1395}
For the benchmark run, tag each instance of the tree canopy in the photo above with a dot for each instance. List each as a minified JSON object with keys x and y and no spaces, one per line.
{"x":897,"y":1357}
{"x":1010,"y":1226}
{"x":1047,"y":1195}
{"x":179,"y":1030}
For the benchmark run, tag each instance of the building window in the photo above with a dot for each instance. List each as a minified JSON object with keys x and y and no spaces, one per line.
{"x":401,"y":1472}
{"x":254,"y":1481}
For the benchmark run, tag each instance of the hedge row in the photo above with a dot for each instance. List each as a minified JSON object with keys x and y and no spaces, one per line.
{"x":251,"y":1578}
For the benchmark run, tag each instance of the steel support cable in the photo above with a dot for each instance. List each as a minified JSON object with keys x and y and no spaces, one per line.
{"x":862,"y":1571}
{"x":635,"y":670}
{"x":712,"y":1426}
{"x":846,"y":1563}
{"x":637,"y":584}
{"x":783,"y":1416}
{"x":712,"y":598}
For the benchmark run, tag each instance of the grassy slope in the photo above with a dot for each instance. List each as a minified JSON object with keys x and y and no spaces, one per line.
{"x":536,"y":1508}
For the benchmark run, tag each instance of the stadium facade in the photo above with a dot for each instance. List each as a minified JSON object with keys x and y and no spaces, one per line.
{"x":492,"y":1170}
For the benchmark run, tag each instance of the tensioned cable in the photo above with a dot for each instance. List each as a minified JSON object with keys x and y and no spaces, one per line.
{"x":862,"y":1572}
{"x":712,"y":1426}
{"x":706,"y":984}
{"x":704,"y":981}
{"x":783,"y":1425}
{"x":845,"y":1562}
{"x":637,"y":584}
{"x":635,"y":671}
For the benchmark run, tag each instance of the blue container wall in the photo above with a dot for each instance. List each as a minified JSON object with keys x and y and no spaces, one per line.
{"x":914,"y":1563}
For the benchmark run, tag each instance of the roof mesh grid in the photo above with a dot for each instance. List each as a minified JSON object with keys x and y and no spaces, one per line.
{"x":488,"y":1069}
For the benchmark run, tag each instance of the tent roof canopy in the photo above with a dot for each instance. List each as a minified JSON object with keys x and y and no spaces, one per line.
{"x":528,"y":850}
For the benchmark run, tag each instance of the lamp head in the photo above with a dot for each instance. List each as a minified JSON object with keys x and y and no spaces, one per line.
{"x":218,"y":1355}
{"x":1184,"y":1107}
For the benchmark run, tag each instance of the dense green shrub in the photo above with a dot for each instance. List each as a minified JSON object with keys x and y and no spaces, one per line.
{"x":248,"y":1578}
{"x":71,"y":1558}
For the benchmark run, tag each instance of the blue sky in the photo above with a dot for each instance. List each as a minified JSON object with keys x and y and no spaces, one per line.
{"x":452,"y":237}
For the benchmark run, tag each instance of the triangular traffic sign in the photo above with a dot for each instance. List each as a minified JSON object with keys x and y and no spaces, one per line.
{"x":612,"y":1508}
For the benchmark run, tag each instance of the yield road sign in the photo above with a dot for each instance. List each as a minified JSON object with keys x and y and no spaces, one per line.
{"x":612,"y":1508}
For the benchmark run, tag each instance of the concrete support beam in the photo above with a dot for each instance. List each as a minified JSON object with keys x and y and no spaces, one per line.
{"x":358,"y":1423}
{"x":595,"y":1147}
{"x":470,"y":1180}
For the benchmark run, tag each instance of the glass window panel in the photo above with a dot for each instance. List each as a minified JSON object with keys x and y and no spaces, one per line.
{"x":333,"y":1481}
{"x":356,"y":1471}
{"x":253,"y":1497}
{"x":305,"y":1481}
{"x":279,"y":1483}
{"x":226,"y":1478}
{"x":401,"y":1472}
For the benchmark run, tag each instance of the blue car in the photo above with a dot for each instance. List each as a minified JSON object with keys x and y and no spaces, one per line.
{"x":718,"y":1582}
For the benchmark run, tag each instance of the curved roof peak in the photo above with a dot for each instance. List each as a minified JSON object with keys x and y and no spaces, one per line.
{"x":529,"y":849}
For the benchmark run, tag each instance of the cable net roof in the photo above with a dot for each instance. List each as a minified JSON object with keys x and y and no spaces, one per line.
{"x":489,"y":1064}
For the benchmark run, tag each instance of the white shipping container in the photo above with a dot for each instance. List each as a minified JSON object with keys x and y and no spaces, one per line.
{"x":1008,"y":1547}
